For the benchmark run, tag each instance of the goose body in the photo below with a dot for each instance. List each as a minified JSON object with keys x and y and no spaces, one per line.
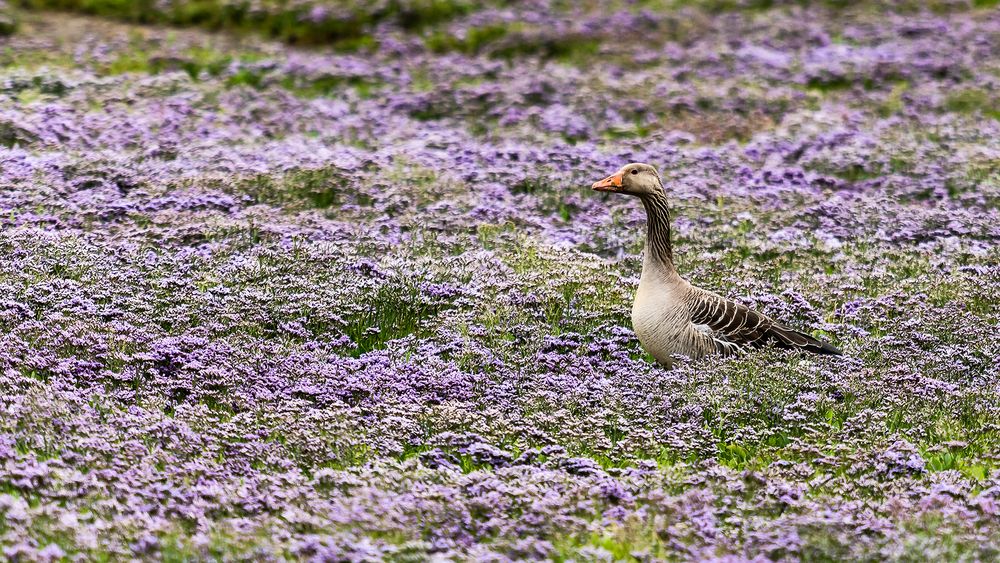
{"x":672,"y":317}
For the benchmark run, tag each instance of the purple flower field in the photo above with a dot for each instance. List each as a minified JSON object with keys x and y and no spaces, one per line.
{"x":326,"y":280}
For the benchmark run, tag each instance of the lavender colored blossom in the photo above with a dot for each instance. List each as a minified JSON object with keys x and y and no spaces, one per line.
{"x":356,"y":301}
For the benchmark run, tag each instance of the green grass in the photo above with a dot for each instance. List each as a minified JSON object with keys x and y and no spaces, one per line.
{"x":348,"y":31}
{"x":975,"y":101}
{"x":318,"y":188}
{"x":475,"y":39}
{"x":393,"y":311}
{"x":903,"y":7}
{"x":8,"y":23}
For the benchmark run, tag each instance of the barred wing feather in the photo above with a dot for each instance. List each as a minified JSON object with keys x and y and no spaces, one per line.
{"x":736,"y":324}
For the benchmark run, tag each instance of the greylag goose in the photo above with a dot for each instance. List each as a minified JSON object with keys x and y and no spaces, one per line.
{"x":670,"y":316}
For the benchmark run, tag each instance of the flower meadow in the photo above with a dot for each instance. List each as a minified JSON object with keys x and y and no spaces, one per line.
{"x":325,"y":280}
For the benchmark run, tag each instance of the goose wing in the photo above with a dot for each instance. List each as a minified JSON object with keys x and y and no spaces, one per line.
{"x":736,"y":324}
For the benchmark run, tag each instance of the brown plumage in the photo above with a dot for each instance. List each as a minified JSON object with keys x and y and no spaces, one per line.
{"x":670,"y":316}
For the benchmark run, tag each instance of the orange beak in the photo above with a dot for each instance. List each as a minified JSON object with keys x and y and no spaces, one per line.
{"x":610,"y":184}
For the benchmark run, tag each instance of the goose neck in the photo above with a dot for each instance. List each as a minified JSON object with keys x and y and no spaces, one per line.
{"x":658,"y":247}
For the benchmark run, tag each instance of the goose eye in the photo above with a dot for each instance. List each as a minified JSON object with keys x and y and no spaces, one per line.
{"x":635,"y":171}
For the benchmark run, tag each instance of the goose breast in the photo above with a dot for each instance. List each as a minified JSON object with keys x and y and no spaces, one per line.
{"x":662,"y":320}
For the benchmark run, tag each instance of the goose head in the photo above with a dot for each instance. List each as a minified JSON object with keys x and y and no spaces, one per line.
{"x":635,"y":178}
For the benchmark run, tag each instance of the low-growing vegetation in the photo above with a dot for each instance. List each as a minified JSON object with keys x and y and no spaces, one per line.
{"x":272,"y":303}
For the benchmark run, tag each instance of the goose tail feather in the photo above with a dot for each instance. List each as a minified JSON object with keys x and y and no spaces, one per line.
{"x":790,"y":338}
